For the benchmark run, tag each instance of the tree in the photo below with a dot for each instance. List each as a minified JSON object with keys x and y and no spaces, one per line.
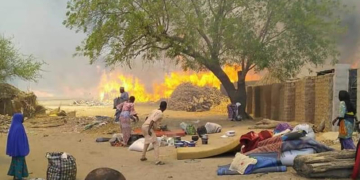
{"x":277,"y":35}
{"x":13,"y":64}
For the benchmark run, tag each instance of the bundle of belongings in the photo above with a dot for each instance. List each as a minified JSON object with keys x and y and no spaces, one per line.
{"x":208,"y":128}
{"x":233,"y":112}
{"x":268,"y":151}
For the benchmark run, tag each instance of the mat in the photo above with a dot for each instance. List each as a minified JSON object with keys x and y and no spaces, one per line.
{"x":216,"y":146}
{"x":172,"y":133}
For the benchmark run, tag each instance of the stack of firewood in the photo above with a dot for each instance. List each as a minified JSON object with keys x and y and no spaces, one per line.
{"x":191,"y":98}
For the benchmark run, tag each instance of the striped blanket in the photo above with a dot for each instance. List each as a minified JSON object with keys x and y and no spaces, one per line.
{"x":275,"y":144}
{"x":269,"y":145}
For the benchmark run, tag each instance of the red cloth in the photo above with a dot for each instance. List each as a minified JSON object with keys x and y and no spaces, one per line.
{"x":265,"y":134}
{"x":356,"y":169}
{"x":251,"y":140}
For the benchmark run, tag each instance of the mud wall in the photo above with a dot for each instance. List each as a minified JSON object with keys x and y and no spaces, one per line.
{"x":305,"y":100}
{"x":323,"y":99}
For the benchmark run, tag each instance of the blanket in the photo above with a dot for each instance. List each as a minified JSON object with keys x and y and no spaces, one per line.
{"x":304,"y":143}
{"x":224,"y":170}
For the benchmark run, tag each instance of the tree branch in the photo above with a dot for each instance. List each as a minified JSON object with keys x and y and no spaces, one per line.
{"x":201,"y":26}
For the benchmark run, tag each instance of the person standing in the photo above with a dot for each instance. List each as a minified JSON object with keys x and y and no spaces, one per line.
{"x":346,"y":121}
{"x":152,"y":123}
{"x":17,"y":147}
{"x":124,"y":96}
{"x":127,"y":111}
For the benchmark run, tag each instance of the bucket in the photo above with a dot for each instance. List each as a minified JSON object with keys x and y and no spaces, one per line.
{"x":204,"y":141}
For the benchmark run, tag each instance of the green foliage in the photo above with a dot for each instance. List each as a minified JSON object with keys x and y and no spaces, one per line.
{"x":278,"y":35}
{"x":13,"y":64}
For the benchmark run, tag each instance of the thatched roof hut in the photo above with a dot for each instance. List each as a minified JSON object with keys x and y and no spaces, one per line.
{"x":12,"y":100}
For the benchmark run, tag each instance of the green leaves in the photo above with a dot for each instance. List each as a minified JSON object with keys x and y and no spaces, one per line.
{"x":13,"y":64}
{"x":278,"y":35}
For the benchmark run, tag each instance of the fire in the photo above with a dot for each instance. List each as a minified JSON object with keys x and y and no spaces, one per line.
{"x":111,"y":82}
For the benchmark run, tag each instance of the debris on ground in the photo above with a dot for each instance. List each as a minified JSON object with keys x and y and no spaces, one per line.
{"x":89,"y":103}
{"x":59,"y":112}
{"x":191,"y":98}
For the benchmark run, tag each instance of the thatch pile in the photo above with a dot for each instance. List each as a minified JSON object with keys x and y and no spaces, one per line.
{"x":12,"y":100}
{"x":5,"y":122}
{"x":191,"y":98}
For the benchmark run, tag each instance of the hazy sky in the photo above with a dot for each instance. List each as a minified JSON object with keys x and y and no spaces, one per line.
{"x":37,"y":29}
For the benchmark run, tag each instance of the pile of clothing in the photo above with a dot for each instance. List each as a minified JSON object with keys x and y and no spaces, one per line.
{"x":272,"y":151}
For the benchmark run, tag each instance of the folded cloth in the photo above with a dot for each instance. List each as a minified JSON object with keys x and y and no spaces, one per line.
{"x":270,"y":169}
{"x":241,"y":162}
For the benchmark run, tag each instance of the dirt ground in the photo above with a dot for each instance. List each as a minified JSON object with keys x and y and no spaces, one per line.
{"x":90,"y":155}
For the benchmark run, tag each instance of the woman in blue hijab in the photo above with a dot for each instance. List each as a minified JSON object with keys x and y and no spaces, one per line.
{"x":17,"y":147}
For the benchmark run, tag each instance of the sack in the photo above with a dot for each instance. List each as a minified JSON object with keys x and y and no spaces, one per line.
{"x":190,"y":129}
{"x":287,"y":157}
{"x":138,"y":145}
{"x":61,"y":168}
{"x":307,"y":128}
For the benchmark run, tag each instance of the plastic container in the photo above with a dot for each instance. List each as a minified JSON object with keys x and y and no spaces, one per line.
{"x":204,"y":141}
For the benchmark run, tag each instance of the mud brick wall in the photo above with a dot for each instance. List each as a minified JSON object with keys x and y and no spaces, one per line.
{"x":323,"y":99}
{"x":305,"y":100}
{"x":249,"y":100}
{"x":276,"y":99}
{"x":287,"y":108}
{"x":257,"y":101}
{"x":267,"y":101}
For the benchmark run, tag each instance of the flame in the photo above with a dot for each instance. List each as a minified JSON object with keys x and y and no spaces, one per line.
{"x":355,"y":64}
{"x":111,"y":82}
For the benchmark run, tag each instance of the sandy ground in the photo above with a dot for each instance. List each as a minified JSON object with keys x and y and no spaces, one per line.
{"x":90,"y":155}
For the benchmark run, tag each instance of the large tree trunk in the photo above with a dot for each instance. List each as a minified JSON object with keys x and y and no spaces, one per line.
{"x":235,"y":95}
{"x":333,"y":164}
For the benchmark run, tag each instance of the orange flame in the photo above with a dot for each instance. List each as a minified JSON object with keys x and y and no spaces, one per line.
{"x":110,"y":83}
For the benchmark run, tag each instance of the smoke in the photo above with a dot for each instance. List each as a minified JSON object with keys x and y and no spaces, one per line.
{"x":349,"y":42}
{"x":37,"y":29}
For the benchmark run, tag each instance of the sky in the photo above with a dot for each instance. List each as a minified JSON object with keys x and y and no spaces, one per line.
{"x":36,"y":27}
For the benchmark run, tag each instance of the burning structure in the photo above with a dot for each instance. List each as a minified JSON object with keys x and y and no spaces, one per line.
{"x":110,"y":82}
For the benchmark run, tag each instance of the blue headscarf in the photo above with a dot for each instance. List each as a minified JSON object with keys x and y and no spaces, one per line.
{"x":17,"y":142}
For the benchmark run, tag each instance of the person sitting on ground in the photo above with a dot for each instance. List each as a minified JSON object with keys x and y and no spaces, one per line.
{"x":152,"y":123}
{"x":17,"y":147}
{"x":347,"y":113}
{"x":105,"y":174}
{"x":127,"y":110}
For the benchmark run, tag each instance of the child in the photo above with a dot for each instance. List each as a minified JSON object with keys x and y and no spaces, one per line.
{"x":17,"y":147}
{"x":346,"y":121}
